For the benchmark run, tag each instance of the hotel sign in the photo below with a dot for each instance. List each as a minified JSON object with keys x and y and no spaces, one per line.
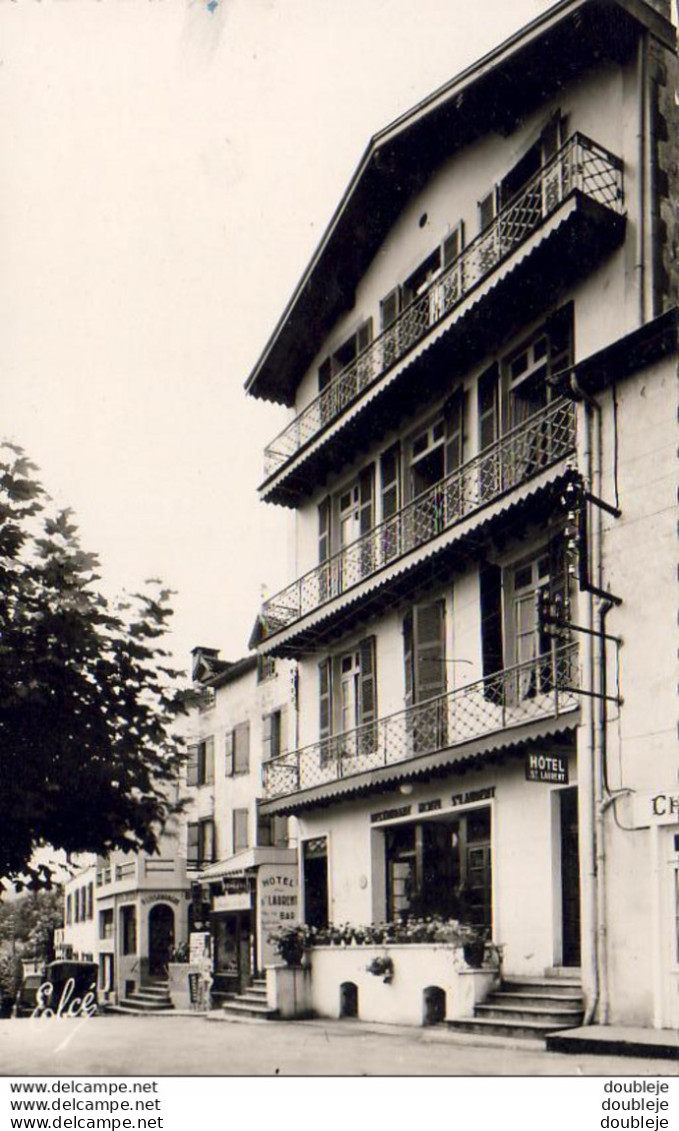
{"x":550,"y":768}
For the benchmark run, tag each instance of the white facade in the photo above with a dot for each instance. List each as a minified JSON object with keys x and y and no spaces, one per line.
{"x":499,"y":363}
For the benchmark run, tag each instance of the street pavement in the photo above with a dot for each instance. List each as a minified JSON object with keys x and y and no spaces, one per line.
{"x":187,"y":1045}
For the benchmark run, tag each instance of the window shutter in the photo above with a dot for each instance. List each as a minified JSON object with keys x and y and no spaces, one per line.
{"x":488,"y":407}
{"x":408,"y":657}
{"x":228,"y":747}
{"x":367,"y":681}
{"x":267,"y":733}
{"x":364,"y":335}
{"x":241,"y":748}
{"x":240,"y":829}
{"x":390,"y":307}
{"x":283,"y":731}
{"x":324,"y":699}
{"x":389,"y":474}
{"x":208,"y":845}
{"x":209,"y":760}
{"x":192,"y":766}
{"x":453,"y":245}
{"x":455,"y":416}
{"x":429,"y":650}
{"x":490,"y":579}
{"x":192,"y":843}
{"x":324,"y":530}
{"x":365,"y":484}
{"x":487,"y":210}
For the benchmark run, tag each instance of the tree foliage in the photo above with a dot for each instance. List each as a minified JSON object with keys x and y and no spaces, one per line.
{"x":88,"y":759}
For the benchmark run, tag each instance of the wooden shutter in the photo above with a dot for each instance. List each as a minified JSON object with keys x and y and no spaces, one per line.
{"x":390,"y":307}
{"x":389,"y":475}
{"x":365,"y":488}
{"x":487,"y":210}
{"x":367,"y":708}
{"x":364,"y":335}
{"x":488,"y":407}
{"x":408,"y":658}
{"x":241,"y":748}
{"x":455,"y":420}
{"x":207,"y":829}
{"x":192,"y":765}
{"x":429,"y":650}
{"x":240,"y":829}
{"x":228,"y":751}
{"x":324,"y":530}
{"x":209,"y":760}
{"x":193,"y":843}
{"x":453,"y":245}
{"x":283,"y":730}
{"x":267,"y":735}
{"x":324,"y":699}
{"x":490,"y":580}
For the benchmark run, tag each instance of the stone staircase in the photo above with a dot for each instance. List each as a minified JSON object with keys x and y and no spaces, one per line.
{"x":527,"y":1007}
{"x":151,"y":997}
{"x":251,"y":1003}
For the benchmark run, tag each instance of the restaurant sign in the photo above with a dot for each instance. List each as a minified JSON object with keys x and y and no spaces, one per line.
{"x":550,"y":768}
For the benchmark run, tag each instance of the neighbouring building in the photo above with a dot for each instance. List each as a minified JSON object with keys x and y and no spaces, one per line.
{"x":242,"y":863}
{"x":480,"y":360}
{"x":78,"y":938}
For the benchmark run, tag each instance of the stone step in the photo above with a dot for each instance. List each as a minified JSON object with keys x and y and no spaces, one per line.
{"x":534,"y":1030}
{"x":540,"y":986}
{"x":254,"y":993}
{"x":144,"y":1005}
{"x":570,"y":973}
{"x":518,"y":997}
{"x":556,"y":1018}
{"x":153,"y":991}
{"x":240,"y":1008}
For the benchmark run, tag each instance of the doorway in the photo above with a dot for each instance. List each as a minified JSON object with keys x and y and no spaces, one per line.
{"x":233,"y":944}
{"x":315,"y":874}
{"x":570,"y":877}
{"x":161,"y":938}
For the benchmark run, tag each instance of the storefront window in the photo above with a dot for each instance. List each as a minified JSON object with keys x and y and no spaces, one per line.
{"x":440,"y":867}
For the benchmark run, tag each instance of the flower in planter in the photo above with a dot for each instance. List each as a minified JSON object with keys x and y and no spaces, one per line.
{"x":292,"y":942}
{"x":382,"y":966}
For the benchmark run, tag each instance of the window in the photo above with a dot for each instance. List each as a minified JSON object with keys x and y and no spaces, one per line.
{"x":106,"y":924}
{"x":241,"y":818}
{"x":200,"y":768}
{"x":266,"y":668}
{"x":528,"y":369}
{"x":353,"y":697}
{"x":200,"y":849}
{"x":128,"y":925}
{"x":69,"y":910}
{"x":272,"y":831}
{"x":238,"y":750}
{"x":525,"y":645}
{"x":274,"y":734}
{"x":424,"y":654}
{"x":354,"y":376}
{"x":89,"y":910}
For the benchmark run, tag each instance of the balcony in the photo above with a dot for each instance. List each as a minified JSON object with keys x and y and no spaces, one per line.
{"x":521,"y":454}
{"x":448,"y":726}
{"x":581,"y":170}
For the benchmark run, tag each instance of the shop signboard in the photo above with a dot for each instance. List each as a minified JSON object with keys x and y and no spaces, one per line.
{"x":200,"y":950}
{"x":237,"y":901}
{"x":278,"y":904}
{"x":658,"y":808}
{"x":550,"y":768}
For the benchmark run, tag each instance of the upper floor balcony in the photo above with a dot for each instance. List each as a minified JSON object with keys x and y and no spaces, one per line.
{"x":521,"y":455}
{"x":517,"y":705}
{"x":554,"y":229}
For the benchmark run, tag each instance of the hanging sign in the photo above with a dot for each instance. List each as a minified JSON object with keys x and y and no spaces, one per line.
{"x":550,"y":768}
{"x":660,"y":808}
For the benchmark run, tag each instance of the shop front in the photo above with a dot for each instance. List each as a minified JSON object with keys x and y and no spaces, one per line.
{"x":245,"y":899}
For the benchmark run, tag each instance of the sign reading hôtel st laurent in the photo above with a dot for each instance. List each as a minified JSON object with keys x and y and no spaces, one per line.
{"x":551,"y":768}
{"x":278,"y":897}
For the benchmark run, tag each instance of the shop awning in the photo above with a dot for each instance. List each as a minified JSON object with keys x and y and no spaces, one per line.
{"x":246,"y":861}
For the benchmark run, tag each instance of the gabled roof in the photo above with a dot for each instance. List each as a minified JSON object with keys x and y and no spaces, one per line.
{"x":491,"y":95}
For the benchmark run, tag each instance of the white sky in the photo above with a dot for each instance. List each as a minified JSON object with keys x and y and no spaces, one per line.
{"x":165,"y":174}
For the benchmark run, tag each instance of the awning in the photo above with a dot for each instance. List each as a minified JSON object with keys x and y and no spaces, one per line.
{"x":246,"y":861}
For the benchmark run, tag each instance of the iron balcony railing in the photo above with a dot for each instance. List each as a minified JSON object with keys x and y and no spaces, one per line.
{"x":580,"y":164}
{"x":545,"y":438}
{"x":539,"y":689}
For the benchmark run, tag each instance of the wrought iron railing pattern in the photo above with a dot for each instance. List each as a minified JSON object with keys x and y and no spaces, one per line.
{"x":545,"y":438}
{"x":541,"y":688}
{"x":580,"y":164}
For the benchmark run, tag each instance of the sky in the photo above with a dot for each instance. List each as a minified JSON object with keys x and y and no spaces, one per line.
{"x":167,"y":168}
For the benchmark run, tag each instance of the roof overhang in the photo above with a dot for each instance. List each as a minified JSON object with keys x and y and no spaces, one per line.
{"x":470,"y":755}
{"x":492,"y":95}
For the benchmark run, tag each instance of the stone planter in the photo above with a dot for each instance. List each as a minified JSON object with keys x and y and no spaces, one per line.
{"x":288,"y":989}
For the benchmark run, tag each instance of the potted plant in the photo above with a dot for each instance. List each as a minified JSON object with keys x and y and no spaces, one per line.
{"x":291,"y":944}
{"x":474,"y":940}
{"x":382,"y":966}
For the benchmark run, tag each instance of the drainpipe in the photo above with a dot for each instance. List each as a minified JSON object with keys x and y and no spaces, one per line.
{"x":586,"y":802}
{"x":600,"y":808}
{"x":641,"y":174}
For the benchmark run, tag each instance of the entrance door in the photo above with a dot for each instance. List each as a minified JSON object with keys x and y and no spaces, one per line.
{"x":233,"y":950}
{"x":315,"y":861}
{"x":161,"y":938}
{"x":570,"y":878}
